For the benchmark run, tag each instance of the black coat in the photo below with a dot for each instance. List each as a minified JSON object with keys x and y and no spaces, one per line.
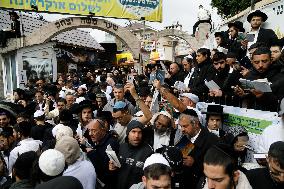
{"x":236,"y":47}
{"x":176,"y":77}
{"x":202,"y":143}
{"x":202,"y":72}
{"x":100,"y":160}
{"x":260,"y":179}
{"x":225,"y":81}
{"x":266,"y":36}
{"x":132,"y":160}
{"x":268,"y":101}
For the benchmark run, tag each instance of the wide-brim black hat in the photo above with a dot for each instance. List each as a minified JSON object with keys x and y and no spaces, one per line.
{"x":11,"y":108}
{"x":214,"y":109}
{"x":14,"y":14}
{"x":259,"y":14}
{"x":219,"y":34}
{"x":237,"y":24}
{"x":78,"y":107}
{"x":51,"y":89}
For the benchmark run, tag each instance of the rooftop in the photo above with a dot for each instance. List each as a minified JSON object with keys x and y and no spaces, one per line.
{"x":136,"y":26}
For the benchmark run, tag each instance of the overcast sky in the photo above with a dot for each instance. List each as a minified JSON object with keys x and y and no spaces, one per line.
{"x":184,"y":11}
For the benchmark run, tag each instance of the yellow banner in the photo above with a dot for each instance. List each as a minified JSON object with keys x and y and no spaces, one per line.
{"x":124,"y":58}
{"x":151,"y":10}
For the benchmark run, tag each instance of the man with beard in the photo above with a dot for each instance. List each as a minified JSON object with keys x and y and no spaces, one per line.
{"x":161,"y":133}
{"x":122,"y":116}
{"x":132,"y":155}
{"x":4,"y":119}
{"x":273,"y":175}
{"x":224,"y":79}
{"x":259,"y":34}
{"x":262,"y":68}
{"x":196,"y":141}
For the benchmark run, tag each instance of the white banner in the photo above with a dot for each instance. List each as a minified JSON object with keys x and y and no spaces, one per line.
{"x":255,"y":121}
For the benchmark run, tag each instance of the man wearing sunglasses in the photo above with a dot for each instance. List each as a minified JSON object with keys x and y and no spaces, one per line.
{"x":273,"y":175}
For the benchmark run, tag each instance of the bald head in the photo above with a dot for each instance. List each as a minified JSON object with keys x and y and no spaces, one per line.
{"x":174,"y":68}
{"x":97,"y":130}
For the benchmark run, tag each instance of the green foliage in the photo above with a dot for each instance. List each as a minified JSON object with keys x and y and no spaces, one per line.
{"x":229,"y":8}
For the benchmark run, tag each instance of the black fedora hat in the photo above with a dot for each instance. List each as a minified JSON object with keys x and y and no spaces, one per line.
{"x":11,"y":108}
{"x":78,"y":107}
{"x":237,"y":24}
{"x":219,"y":34}
{"x":214,"y":109}
{"x":257,"y":13}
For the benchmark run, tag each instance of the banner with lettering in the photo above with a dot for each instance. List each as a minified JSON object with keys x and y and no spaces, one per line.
{"x":255,"y":121}
{"x":151,"y":10}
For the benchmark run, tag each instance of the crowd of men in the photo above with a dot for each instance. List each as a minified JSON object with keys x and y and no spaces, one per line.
{"x":120,"y":129}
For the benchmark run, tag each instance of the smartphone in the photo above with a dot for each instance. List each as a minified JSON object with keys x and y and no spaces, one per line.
{"x":130,"y":79}
{"x":160,"y":75}
{"x":250,"y":37}
{"x":152,"y":78}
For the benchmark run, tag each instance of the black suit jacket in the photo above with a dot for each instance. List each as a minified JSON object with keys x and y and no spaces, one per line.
{"x":266,"y":36}
{"x":202,"y":72}
{"x":202,"y":143}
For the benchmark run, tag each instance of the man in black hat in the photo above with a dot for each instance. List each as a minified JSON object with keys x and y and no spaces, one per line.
{"x":14,"y":31}
{"x":221,"y":39}
{"x":85,"y":113}
{"x":236,"y":35}
{"x":215,"y":119}
{"x":256,"y":33}
{"x":273,"y":175}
